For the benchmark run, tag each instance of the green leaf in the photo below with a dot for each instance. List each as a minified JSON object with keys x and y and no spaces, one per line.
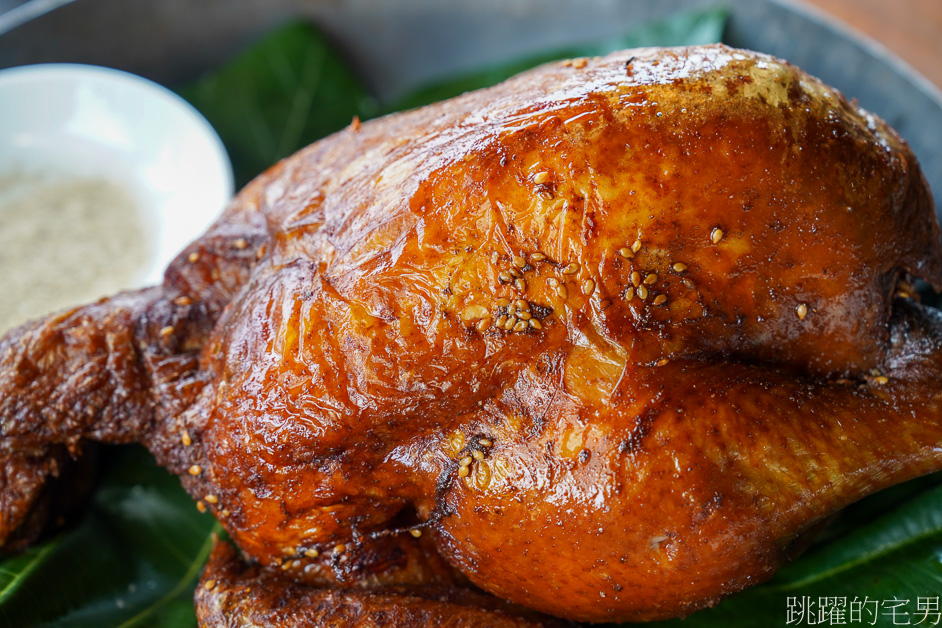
{"x":131,"y":560}
{"x":893,"y":559}
{"x":686,"y":28}
{"x":285,"y":92}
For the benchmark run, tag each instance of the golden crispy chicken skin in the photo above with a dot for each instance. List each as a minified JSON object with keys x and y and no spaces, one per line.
{"x":604,"y":340}
{"x":231,"y":594}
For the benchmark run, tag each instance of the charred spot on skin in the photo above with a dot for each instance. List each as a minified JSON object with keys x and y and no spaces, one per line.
{"x":540,"y":311}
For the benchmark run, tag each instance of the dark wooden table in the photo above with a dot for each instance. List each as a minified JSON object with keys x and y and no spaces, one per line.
{"x":912,"y":29}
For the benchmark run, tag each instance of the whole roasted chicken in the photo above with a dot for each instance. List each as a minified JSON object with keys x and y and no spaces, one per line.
{"x":607,"y":341}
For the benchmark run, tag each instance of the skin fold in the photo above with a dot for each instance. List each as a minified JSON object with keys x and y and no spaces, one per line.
{"x":231,"y":594}
{"x":604,"y":341}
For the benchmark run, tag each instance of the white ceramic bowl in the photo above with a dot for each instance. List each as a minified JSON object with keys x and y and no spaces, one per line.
{"x":79,"y":121}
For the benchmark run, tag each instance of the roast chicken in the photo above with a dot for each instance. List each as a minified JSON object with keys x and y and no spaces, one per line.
{"x":608,"y":342}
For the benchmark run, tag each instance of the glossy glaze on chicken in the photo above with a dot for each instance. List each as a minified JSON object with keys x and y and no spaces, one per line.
{"x":603,"y":340}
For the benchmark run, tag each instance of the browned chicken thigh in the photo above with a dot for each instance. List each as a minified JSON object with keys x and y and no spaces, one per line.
{"x":605,"y":341}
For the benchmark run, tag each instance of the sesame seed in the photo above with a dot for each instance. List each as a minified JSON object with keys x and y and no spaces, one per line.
{"x":193,"y":257}
{"x":239,"y":244}
{"x":514,"y":272}
{"x":200,"y":506}
{"x":510,"y":323}
{"x":477,"y":454}
{"x":642,"y":293}
{"x":524,"y":315}
{"x":636,"y":246}
{"x":183,"y":301}
{"x":629,"y":293}
{"x":660,"y":299}
{"x":210,"y":585}
{"x":716,"y":235}
{"x":562,"y":292}
{"x":485,"y":442}
{"x":662,"y":361}
{"x":287,"y":550}
{"x":635,"y":278}
{"x":535,"y":324}
{"x":195,"y":470}
{"x":483,"y":324}
{"x":801,"y":311}
{"x":571,"y":269}
{"x":624,"y":251}
{"x":588,"y":287}
{"x":211,"y":499}
{"x":519,"y":262}
{"x":679,"y":268}
{"x":689,"y":284}
{"x":340,"y":548}
{"x":537,"y":257}
{"x":881,"y":380}
{"x":415,"y":533}
{"x":521,"y":285}
{"x":185,"y":438}
{"x":225,"y":513}
{"x":502,"y":302}
{"x":502,"y":320}
{"x":463,"y":472}
{"x":504,"y":277}
{"x":464,"y":461}
{"x":285,"y":565}
{"x":166,"y":331}
{"x":651,"y":278}
{"x":312,"y":553}
{"x":541,"y":177}
{"x":520,"y":326}
{"x":521,"y":304}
